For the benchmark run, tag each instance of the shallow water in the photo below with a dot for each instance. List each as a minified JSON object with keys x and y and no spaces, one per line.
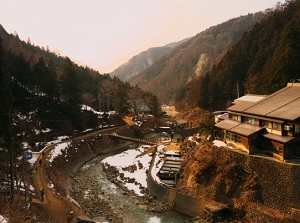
{"x":128,"y":206}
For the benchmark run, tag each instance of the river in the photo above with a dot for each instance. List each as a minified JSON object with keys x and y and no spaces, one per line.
{"x":122,"y":199}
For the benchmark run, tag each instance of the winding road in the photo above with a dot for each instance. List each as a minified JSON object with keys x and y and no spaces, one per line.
{"x":58,"y":208}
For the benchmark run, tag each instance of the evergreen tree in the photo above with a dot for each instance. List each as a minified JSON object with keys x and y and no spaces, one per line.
{"x":120,"y":100}
{"x":52,"y":88}
{"x":6,"y":107}
{"x":203,"y":91}
{"x":152,"y":102}
{"x":40,"y":72}
{"x":6,"y":102}
{"x":71,"y":93}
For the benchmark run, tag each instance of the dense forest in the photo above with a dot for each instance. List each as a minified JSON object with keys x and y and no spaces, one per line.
{"x":142,"y":61}
{"x":264,"y":60}
{"x":41,"y":92}
{"x":168,"y":76}
{"x":56,"y":88}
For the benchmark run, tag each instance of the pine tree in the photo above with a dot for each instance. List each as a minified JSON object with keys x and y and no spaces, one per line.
{"x":71,"y":93}
{"x":6,"y":106}
{"x":120,"y":100}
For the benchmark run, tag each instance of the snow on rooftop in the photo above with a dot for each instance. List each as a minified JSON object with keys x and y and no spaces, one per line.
{"x":250,"y":98}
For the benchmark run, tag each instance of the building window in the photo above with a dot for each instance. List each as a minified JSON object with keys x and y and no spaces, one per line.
{"x":233,"y":137}
{"x":246,"y":119}
{"x":297,"y":128}
{"x":238,"y":139}
{"x":271,"y":125}
{"x":252,"y":121}
{"x":276,"y":126}
{"x":235,"y":117}
{"x":279,"y":150}
{"x":267,"y":124}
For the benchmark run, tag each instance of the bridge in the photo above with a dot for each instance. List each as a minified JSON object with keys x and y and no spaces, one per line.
{"x":144,"y":141}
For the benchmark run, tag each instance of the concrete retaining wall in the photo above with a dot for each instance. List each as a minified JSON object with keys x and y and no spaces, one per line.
{"x":180,"y":202}
{"x":278,"y":186}
{"x":279,"y":183}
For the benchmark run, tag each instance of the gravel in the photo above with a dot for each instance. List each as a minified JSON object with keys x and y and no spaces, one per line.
{"x":103,"y":197}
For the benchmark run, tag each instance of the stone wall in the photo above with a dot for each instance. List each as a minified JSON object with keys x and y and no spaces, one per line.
{"x":278,"y":188}
{"x":278,"y":182}
{"x":180,"y":202}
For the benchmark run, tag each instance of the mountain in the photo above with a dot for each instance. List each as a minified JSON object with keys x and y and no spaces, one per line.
{"x":142,"y":61}
{"x":54,"y":87}
{"x":193,"y":58}
{"x":263,"y":61}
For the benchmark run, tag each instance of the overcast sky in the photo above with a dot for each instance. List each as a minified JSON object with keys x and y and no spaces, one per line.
{"x":104,"y":34}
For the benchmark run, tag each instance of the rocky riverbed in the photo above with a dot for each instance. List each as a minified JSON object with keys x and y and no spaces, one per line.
{"x":98,"y":190}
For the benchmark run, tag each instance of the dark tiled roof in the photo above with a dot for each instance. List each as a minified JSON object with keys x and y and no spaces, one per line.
{"x":238,"y":127}
{"x":188,"y":132}
{"x":283,"y":104}
{"x":278,"y":138}
{"x":246,"y":129}
{"x":227,"y":124}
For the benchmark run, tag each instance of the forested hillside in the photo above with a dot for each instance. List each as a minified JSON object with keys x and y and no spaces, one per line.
{"x":43,"y":96}
{"x":41,"y":90}
{"x":44,"y":74}
{"x":168,"y":77}
{"x":262,"y":62}
{"x":142,"y":61}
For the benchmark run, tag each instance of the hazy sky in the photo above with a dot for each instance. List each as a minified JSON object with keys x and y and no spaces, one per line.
{"x":104,"y":34}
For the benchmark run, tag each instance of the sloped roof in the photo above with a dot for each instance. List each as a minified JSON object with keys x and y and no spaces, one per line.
{"x":283,"y":104}
{"x":250,"y":98}
{"x":188,"y":132}
{"x":278,"y":138}
{"x":227,"y":124}
{"x":181,"y":121}
{"x":238,"y":127}
{"x":246,"y":129}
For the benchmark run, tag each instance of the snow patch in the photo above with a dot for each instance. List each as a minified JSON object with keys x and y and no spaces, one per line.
{"x":219,"y":143}
{"x":58,"y":150}
{"x":128,"y":159}
{"x":3,"y":219}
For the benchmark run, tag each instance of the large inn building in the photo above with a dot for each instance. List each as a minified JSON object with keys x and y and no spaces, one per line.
{"x":265,"y":124}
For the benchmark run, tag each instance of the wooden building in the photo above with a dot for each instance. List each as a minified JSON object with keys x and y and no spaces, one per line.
{"x":265,"y":124}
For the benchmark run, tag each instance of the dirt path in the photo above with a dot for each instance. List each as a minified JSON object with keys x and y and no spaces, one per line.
{"x":56,"y":206}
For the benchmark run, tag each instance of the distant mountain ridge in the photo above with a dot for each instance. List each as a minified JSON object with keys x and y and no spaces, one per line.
{"x":193,"y":58}
{"x":142,"y":61}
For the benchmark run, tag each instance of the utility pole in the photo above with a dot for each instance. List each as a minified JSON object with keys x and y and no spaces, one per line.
{"x":238,"y":90}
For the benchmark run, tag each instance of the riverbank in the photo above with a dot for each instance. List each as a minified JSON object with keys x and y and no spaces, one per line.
{"x":98,"y":183}
{"x":71,"y":155}
{"x":85,"y":189}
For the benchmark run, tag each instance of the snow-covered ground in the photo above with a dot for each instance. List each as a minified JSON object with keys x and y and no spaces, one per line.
{"x":58,"y":149}
{"x":55,"y":152}
{"x":130,"y":160}
{"x":219,"y":143}
{"x":88,"y":108}
{"x":3,"y":219}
